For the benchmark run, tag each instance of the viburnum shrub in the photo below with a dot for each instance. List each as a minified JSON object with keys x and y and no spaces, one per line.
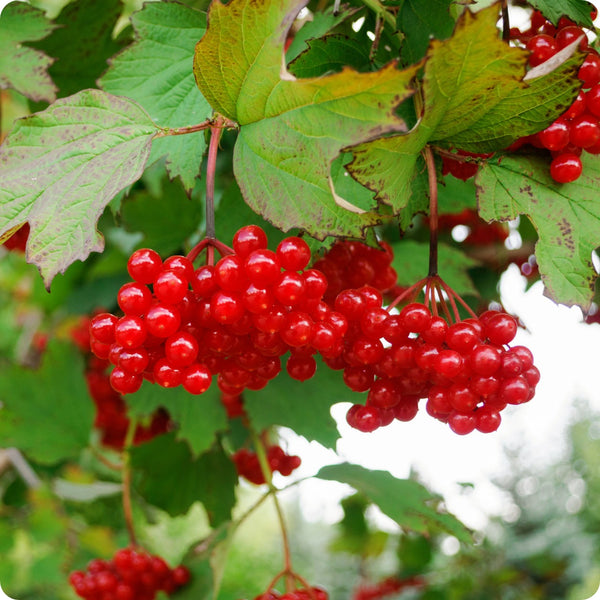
{"x":252,"y":224}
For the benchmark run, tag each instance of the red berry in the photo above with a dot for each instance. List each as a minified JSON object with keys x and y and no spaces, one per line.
{"x":585,"y":131}
{"x":415,"y":317}
{"x":542,"y":47}
{"x":555,"y":136}
{"x":566,"y":168}
{"x":248,"y":239}
{"x":144,"y":265}
{"x":196,"y":379}
{"x":364,"y":418}
{"x":301,"y":366}
{"x":589,"y":72}
{"x":461,"y":423}
{"x":102,"y":328}
{"x":293,"y":253}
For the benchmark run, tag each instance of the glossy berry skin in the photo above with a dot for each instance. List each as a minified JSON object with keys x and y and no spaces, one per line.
{"x":542,"y":48}
{"x":566,"y":168}
{"x":248,"y":239}
{"x":556,"y":136}
{"x":585,"y":131}
{"x":144,"y":265}
{"x":293,"y":253}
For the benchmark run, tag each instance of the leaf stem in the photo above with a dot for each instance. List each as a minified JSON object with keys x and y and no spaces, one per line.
{"x":505,"y":21}
{"x":381,"y":11}
{"x":126,"y":480}
{"x":433,"y":212}
{"x":217,"y":122}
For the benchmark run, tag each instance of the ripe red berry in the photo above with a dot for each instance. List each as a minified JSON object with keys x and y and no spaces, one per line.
{"x":566,"y":168}
{"x":293,"y":253}
{"x":144,"y":265}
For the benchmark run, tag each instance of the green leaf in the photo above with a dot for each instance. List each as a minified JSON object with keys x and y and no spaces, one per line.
{"x":566,"y":217}
{"x":405,"y":501}
{"x":171,"y":479}
{"x":82,"y":43}
{"x":166,"y":220}
{"x":21,"y":68}
{"x":302,"y":406}
{"x":47,"y":413}
{"x":85,"y":492}
{"x":330,"y":54}
{"x":200,"y":418}
{"x":320,"y":24}
{"x":475,"y":99}
{"x":62,"y":166}
{"x":156,"y":72}
{"x":576,"y":10}
{"x":411,"y":261}
{"x":420,"y":21}
{"x":291,"y":130}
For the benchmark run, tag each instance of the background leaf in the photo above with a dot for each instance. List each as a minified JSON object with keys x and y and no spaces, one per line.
{"x":171,"y":479}
{"x":576,"y":10}
{"x":21,"y":68}
{"x":566,"y":217}
{"x":82,"y":44}
{"x":199,"y":418}
{"x":156,"y":72}
{"x":47,"y":413}
{"x":405,"y":501}
{"x":62,"y":166}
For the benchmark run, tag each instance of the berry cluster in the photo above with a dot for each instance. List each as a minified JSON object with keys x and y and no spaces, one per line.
{"x":461,"y":167}
{"x":386,"y":587}
{"x":111,"y":410}
{"x":354,"y":264}
{"x":129,"y":575}
{"x":578,"y":129}
{"x":464,"y":370}
{"x":313,"y":593}
{"x":234,"y":319}
{"x":248,"y":466}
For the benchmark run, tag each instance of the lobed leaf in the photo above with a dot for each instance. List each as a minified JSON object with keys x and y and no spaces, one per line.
{"x":405,"y":501}
{"x":292,"y":130}
{"x":156,"y":71}
{"x":474,"y":99}
{"x":62,"y":166}
{"x":566,"y":217}
{"x":553,"y":10}
{"x":22,"y":68}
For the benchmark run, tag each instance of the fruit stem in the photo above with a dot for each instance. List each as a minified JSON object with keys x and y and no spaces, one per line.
{"x":126,"y":480}
{"x":210,"y":244}
{"x":407,"y":292}
{"x":452,"y":294}
{"x":219,"y":122}
{"x":268,"y":475}
{"x":505,"y":21}
{"x":433,"y":212}
{"x":211,"y":165}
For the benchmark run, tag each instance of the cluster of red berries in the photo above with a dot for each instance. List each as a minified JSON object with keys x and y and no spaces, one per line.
{"x":313,"y":593}
{"x":464,"y":371}
{"x":578,"y":129}
{"x":386,"y":587}
{"x":460,"y":167}
{"x":129,"y":575}
{"x":353,"y":264}
{"x":111,"y":410}
{"x":248,"y":466}
{"x":235,"y":319}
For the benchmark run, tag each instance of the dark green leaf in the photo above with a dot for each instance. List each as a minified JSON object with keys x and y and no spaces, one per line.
{"x":419,"y":21}
{"x":82,"y":44}
{"x":405,"y":501}
{"x":47,"y":413}
{"x":156,"y":72}
{"x":566,"y":217}
{"x":199,"y":418}
{"x":166,"y":220}
{"x":21,"y":68}
{"x":171,"y":479}
{"x":302,"y":406}
{"x":576,"y":10}
{"x":62,"y":166}
{"x":330,"y":54}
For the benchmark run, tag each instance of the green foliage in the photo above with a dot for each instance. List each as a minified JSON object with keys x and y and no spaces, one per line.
{"x":22,"y":68}
{"x":565,"y":217}
{"x":46,"y":412}
{"x":576,"y":10}
{"x":165,"y":36}
{"x":80,"y":152}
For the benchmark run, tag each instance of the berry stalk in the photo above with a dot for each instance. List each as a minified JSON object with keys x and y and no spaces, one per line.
{"x":213,"y":148}
{"x":433,"y":212}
